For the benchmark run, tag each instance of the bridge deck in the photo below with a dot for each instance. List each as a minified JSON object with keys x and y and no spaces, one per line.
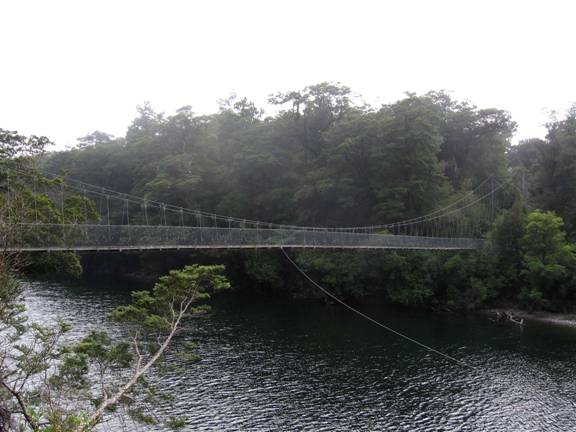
{"x":54,"y":237}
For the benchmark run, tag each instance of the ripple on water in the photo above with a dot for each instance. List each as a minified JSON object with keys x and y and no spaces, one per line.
{"x":313,"y":368}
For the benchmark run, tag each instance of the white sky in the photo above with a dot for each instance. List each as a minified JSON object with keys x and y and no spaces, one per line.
{"x":71,"y":67}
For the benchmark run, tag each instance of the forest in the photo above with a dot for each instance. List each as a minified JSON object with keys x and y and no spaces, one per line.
{"x":325,"y":159}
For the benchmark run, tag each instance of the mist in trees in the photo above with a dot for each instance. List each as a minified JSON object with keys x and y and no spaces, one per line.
{"x":324,"y":159}
{"x":320,"y":160}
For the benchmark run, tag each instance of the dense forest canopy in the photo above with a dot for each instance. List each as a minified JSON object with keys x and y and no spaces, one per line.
{"x":321,"y":160}
{"x":324,"y":160}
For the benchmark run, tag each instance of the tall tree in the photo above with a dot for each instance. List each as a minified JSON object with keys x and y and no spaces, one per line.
{"x":413,"y":180}
{"x":555,"y":184}
{"x":549,"y":261}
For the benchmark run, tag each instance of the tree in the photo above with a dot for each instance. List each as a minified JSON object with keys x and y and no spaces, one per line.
{"x":414,"y":179}
{"x":49,"y":386}
{"x":314,"y":110}
{"x":555,"y":182}
{"x":475,"y":141}
{"x":411,"y":278}
{"x":22,"y":203}
{"x":466,"y":282}
{"x":324,"y":160}
{"x":357,"y":169}
{"x":19,"y":148}
{"x":46,"y":384}
{"x":153,"y":319}
{"x":147,"y":125}
{"x":526,"y":154}
{"x":549,"y":261}
{"x":94,"y":139}
{"x":404,"y":278}
{"x":505,"y":248}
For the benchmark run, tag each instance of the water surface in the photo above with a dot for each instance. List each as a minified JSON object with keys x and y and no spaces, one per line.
{"x":310,"y":367}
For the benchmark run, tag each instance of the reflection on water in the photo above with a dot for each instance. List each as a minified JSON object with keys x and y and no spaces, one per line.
{"x":278,"y":367}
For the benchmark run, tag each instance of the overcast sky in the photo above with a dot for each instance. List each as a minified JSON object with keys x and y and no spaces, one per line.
{"x":71,"y":67}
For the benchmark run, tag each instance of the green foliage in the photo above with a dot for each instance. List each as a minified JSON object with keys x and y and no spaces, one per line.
{"x":78,"y":209}
{"x":410,"y":278}
{"x":156,"y":311}
{"x":60,"y":421}
{"x":344,"y":272}
{"x":407,"y":279}
{"x":502,"y":257}
{"x":176,"y":423}
{"x":22,"y":201}
{"x":55,"y":386}
{"x":321,"y":160}
{"x":16,"y":147}
{"x":554,"y":182}
{"x":411,"y":130}
{"x":549,"y":261}
{"x":11,"y":307}
{"x":61,"y":263}
{"x":99,"y":347}
{"x":532,"y":296}
{"x":50,"y":386}
{"x":469,"y":281}
{"x":140,"y":416}
{"x":265,"y":269}
{"x":505,"y":237}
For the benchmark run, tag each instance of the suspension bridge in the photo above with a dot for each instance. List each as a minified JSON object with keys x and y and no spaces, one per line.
{"x":93,"y":218}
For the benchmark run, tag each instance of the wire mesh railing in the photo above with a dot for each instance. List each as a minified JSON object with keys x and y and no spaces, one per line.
{"x":64,"y":213}
{"x":47,"y":237}
{"x":466,"y":216}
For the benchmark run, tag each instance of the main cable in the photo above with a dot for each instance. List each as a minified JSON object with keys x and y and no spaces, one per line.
{"x":372,"y":320}
{"x":436,"y":214}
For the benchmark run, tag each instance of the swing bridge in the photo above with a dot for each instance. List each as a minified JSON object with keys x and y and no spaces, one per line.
{"x":99,"y":219}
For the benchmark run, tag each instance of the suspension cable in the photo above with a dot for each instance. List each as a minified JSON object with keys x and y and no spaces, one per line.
{"x":85,"y":206}
{"x":401,"y":226}
{"x":35,"y":201}
{"x":372,"y":320}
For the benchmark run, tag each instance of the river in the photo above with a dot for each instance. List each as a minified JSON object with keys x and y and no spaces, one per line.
{"x":308,"y":367}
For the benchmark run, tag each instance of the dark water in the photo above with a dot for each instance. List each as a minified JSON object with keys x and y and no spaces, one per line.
{"x":278,"y":367}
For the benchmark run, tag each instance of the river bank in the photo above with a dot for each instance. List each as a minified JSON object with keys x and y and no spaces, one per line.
{"x":567,"y":320}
